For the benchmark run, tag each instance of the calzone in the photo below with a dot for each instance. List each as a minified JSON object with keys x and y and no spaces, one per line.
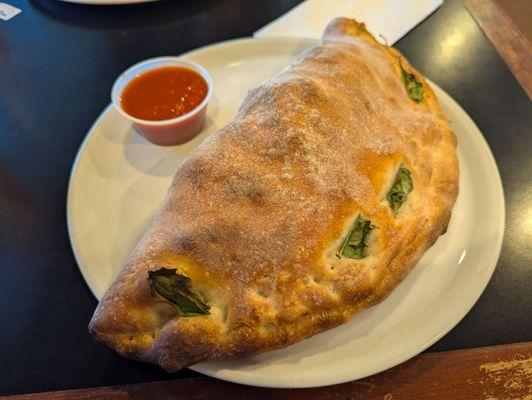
{"x":311,"y":205}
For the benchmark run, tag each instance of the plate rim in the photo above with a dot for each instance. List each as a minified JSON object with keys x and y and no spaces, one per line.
{"x":107,"y":2}
{"x":501,"y":221}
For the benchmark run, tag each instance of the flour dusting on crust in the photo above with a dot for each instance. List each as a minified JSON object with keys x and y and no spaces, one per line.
{"x":256,"y":214}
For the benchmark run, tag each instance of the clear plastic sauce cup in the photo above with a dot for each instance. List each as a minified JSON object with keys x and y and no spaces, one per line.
{"x":170,"y":131}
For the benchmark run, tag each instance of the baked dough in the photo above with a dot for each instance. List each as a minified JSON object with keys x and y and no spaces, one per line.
{"x":257,"y":216}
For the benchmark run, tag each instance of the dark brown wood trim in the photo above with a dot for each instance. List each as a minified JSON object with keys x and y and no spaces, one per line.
{"x":511,"y":44}
{"x":495,"y":372}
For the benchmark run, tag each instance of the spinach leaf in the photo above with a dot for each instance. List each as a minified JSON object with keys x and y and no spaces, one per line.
{"x":413,"y":87}
{"x":354,"y":244}
{"x":167,"y":285}
{"x":400,"y":189}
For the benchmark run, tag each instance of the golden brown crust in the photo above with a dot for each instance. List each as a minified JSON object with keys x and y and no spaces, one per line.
{"x":255,"y":216}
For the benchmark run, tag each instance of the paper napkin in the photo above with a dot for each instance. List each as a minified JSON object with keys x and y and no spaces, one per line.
{"x":391,"y":19}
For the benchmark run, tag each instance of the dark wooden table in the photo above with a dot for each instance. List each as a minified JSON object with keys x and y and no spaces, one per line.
{"x":57,"y":64}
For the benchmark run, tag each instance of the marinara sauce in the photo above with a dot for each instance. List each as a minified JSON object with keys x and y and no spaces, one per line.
{"x":163,"y":93}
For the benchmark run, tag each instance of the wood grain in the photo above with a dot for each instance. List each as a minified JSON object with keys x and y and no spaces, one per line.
{"x":496,"y":372}
{"x":520,"y":12}
{"x":511,"y":44}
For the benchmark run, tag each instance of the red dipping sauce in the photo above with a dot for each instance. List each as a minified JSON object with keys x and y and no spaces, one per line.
{"x":163,"y":93}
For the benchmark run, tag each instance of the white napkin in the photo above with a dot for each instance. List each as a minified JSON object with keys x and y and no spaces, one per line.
{"x":391,"y":19}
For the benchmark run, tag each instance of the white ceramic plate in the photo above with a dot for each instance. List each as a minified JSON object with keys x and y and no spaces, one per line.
{"x":107,"y":2}
{"x":119,"y":180}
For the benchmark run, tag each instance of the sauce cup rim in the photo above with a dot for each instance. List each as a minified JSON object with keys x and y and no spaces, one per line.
{"x":143,"y":66}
